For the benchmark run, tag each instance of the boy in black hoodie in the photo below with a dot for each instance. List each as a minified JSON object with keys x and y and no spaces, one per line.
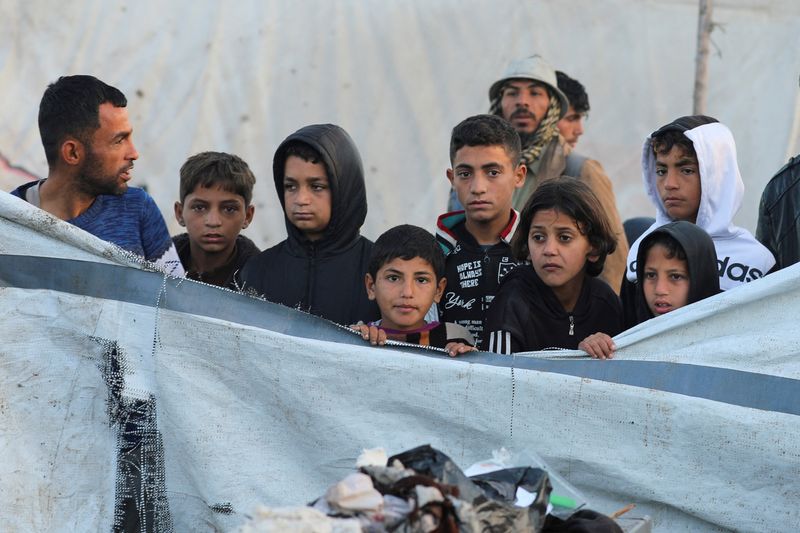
{"x":320,"y":267}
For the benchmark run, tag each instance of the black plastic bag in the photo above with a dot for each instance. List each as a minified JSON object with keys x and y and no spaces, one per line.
{"x":585,"y":521}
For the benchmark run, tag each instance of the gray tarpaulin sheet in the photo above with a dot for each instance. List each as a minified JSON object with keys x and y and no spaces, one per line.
{"x":243,"y":402}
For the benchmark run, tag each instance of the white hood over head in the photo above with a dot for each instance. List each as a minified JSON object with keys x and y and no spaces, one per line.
{"x":740,"y":257}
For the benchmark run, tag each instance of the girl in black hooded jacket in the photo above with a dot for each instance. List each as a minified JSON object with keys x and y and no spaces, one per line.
{"x":676,"y":265}
{"x":686,"y":245}
{"x":556,"y":300}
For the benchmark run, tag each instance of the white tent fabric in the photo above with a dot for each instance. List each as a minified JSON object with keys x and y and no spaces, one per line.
{"x":696,"y":421}
{"x":241,"y":76}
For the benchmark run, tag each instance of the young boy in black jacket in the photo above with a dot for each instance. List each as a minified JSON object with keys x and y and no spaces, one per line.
{"x":486,"y":170}
{"x":320,"y":267}
{"x":215,"y":193}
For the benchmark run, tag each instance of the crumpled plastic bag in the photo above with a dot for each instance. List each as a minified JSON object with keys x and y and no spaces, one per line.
{"x":492,"y":496}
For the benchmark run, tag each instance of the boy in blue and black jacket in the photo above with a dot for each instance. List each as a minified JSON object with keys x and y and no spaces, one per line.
{"x":486,"y":170}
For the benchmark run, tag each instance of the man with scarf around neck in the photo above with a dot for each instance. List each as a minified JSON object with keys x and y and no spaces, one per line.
{"x":320,"y":267}
{"x":527,"y":95}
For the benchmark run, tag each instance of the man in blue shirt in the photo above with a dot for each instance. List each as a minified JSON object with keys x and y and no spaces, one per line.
{"x":87,"y":139}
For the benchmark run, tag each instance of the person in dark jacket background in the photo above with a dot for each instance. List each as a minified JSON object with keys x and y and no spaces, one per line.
{"x":778,"y":215}
{"x":320,"y":267}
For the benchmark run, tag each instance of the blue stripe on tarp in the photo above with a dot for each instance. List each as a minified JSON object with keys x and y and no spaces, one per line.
{"x":736,"y":387}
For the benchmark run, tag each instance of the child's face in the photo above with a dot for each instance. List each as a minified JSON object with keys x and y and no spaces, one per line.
{"x":678,"y":183}
{"x":666,"y":281}
{"x":213,"y":218}
{"x":307,"y":196}
{"x":558,"y":249}
{"x":484,"y":178}
{"x":404,"y":291}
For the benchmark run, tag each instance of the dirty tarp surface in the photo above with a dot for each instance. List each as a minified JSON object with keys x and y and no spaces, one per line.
{"x":247,"y":402}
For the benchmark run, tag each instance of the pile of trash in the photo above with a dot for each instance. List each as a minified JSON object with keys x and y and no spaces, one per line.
{"x":423,"y":491}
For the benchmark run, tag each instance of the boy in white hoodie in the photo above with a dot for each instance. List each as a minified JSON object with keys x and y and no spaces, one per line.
{"x":690,"y":173}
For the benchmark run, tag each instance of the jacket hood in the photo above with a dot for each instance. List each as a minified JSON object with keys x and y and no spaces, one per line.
{"x":345,"y":175}
{"x":721,"y":185}
{"x":721,"y":194}
{"x":701,"y":259}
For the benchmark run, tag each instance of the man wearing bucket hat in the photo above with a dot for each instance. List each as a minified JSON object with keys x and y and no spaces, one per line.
{"x":527,"y":95}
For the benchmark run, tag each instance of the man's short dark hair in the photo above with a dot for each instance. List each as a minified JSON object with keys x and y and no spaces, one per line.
{"x":208,"y":169}
{"x":486,"y":130}
{"x":575,"y":91}
{"x":406,"y":242}
{"x":70,"y":108}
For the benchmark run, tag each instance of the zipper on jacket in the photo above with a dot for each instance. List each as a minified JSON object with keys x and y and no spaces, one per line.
{"x":312,"y":256}
{"x":571,"y":325}
{"x":485,"y":279}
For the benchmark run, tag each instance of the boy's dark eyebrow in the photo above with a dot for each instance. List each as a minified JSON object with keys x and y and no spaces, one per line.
{"x":490,"y":164}
{"x":418,"y":273}
{"x":679,"y":163}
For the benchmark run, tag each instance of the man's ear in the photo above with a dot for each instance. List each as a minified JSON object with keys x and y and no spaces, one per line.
{"x":440,"y":289}
{"x":248,"y":215}
{"x":450,"y":175}
{"x":520,"y":173}
{"x":369,"y":283}
{"x":179,"y":213}
{"x":72,"y":151}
